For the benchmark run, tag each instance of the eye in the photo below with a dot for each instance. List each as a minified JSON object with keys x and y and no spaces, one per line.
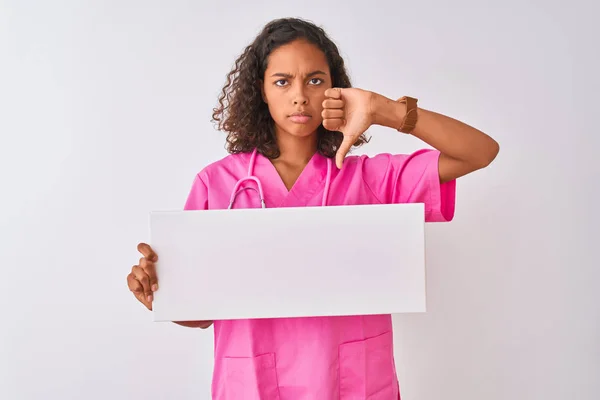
{"x":316,"y":81}
{"x":280,"y":82}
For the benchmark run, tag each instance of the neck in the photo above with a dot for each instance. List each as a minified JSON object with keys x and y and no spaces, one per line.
{"x":296,"y":150}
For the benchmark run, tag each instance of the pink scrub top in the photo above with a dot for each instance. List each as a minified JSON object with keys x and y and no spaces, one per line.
{"x":317,"y":358}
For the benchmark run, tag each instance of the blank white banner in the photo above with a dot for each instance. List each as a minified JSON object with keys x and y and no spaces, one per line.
{"x":289,"y":262}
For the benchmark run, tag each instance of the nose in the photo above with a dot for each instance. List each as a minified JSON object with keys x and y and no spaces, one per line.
{"x":300,"y":100}
{"x":299,"y":97}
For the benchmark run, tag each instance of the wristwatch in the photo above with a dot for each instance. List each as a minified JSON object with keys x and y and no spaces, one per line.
{"x":410,"y":117}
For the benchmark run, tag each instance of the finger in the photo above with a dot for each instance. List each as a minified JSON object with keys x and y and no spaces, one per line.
{"x":138,"y":290}
{"x":150,"y":270}
{"x":144,"y":300}
{"x":134,"y":285}
{"x":147,"y":252}
{"x":332,"y":113}
{"x":331,"y":103}
{"x":343,"y":150}
{"x":334,"y":93}
{"x":141,"y":276}
{"x":333,"y":124}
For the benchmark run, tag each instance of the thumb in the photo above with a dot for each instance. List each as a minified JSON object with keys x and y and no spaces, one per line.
{"x":342,"y":151}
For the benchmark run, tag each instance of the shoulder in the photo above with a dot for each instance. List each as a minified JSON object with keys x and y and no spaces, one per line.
{"x":231,"y":164}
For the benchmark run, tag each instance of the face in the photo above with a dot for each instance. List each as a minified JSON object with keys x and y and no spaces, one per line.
{"x":294,"y":88}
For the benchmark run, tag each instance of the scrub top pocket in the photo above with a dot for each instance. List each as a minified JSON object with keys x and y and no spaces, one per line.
{"x":250,"y":378}
{"x":367,"y":369}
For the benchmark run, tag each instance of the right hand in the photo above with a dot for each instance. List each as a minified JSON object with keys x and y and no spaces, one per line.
{"x":142,"y":280}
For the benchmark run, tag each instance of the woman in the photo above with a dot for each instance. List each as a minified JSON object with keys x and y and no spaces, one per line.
{"x":290,"y":113}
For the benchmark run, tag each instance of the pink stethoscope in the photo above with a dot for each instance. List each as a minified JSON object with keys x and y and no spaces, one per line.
{"x":251,"y":177}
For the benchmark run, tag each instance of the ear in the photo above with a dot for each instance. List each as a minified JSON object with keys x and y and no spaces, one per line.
{"x":262,"y":91}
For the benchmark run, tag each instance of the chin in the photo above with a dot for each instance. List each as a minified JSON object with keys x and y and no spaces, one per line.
{"x":303,"y":132}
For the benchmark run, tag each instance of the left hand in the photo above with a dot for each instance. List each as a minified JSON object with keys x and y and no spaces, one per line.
{"x":349,"y":111}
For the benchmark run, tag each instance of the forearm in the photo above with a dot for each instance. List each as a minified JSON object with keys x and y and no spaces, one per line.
{"x":451,"y":137}
{"x":194,"y":324}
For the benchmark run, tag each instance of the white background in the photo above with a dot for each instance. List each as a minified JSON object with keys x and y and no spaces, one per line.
{"x":105,"y":113}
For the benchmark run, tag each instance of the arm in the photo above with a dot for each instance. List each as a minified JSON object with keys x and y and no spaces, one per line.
{"x":463,"y":148}
{"x":194,"y":324}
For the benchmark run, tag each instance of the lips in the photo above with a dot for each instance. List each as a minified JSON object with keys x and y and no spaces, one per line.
{"x":300,"y":117}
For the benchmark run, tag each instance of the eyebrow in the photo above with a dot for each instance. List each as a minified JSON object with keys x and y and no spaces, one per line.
{"x":281,"y":74}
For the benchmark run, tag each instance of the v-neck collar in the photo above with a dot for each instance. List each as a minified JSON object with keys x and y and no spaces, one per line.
{"x":311,"y":179}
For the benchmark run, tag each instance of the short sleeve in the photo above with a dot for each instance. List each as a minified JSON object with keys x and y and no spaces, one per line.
{"x":198,"y":195}
{"x":412,"y":178}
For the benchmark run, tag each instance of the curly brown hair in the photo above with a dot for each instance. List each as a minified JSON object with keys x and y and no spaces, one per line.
{"x":241,"y":111}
